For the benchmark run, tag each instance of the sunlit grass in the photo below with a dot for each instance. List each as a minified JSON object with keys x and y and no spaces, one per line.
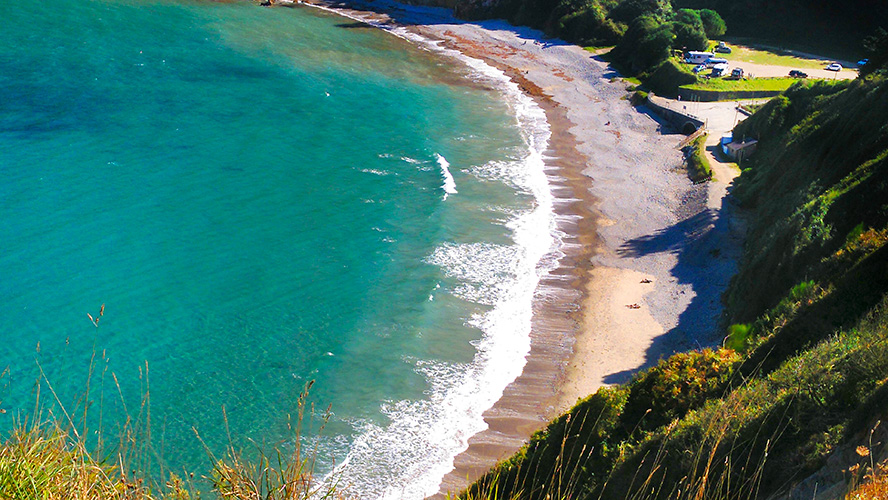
{"x":752,"y":84}
{"x":740,"y":53}
{"x":48,"y":456}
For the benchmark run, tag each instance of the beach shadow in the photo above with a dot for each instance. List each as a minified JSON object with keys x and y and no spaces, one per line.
{"x":676,"y":238}
{"x":418,"y":15}
{"x":354,"y":25}
{"x":708,"y":246}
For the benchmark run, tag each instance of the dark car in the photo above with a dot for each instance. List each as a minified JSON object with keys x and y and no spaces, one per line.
{"x":798,"y":74}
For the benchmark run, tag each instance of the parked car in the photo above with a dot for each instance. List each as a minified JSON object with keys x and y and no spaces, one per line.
{"x":834,"y":67}
{"x":718,"y":70}
{"x":798,"y":74}
{"x":724,"y":49}
{"x":862,"y":62}
{"x":737,"y":73}
{"x":698,"y":68}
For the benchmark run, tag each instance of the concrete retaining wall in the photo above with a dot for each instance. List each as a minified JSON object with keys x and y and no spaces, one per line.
{"x":717,"y":95}
{"x":684,"y":122}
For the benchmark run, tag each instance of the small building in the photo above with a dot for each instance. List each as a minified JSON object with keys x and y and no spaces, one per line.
{"x":739,"y":151}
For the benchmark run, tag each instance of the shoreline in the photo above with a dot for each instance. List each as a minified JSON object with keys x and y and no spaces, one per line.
{"x":623,"y":203}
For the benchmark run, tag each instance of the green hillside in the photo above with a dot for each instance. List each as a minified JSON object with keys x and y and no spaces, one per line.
{"x":803,"y":371}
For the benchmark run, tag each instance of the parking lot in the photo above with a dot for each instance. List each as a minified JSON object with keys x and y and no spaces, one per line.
{"x":767,"y":62}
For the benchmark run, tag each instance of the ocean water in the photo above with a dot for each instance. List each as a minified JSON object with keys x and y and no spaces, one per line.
{"x":260,"y":198}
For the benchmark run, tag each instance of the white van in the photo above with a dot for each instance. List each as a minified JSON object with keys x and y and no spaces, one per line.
{"x":694,"y":57}
{"x":718,"y":69}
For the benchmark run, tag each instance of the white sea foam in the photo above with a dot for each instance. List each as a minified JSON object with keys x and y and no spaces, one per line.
{"x":408,"y":457}
{"x":449,"y":186}
{"x":374,"y":171}
{"x":412,"y":161}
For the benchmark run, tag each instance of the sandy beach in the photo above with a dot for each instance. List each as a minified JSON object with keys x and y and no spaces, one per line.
{"x":647,"y":253}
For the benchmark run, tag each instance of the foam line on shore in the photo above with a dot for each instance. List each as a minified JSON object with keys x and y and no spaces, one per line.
{"x":424,"y":437}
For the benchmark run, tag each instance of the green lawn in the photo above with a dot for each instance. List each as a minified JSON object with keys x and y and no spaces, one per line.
{"x":774,"y":58}
{"x":722,"y":84}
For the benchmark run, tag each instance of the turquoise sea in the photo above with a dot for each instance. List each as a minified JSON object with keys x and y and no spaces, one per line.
{"x":260,"y":198}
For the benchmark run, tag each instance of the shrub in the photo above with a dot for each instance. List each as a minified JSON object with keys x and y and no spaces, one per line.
{"x":667,"y":77}
{"x":688,"y":30}
{"x":638,"y":98}
{"x":699,"y":169}
{"x":645,"y":45}
{"x":739,"y":336}
{"x":713,"y":24}
{"x":575,"y":452}
{"x":678,"y":384}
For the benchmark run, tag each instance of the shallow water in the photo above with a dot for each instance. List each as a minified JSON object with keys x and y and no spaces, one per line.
{"x":263,"y":197}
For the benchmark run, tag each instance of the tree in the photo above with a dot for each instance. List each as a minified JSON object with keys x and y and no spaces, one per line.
{"x":713,"y":24}
{"x":645,"y":44}
{"x":688,"y":30}
{"x":876,"y":47}
{"x":629,"y":10}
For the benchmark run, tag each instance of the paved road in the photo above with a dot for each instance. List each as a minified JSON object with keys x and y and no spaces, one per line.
{"x":767,"y":70}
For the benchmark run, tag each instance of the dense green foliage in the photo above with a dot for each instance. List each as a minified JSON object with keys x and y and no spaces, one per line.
{"x":699,"y":169}
{"x":834,"y":28}
{"x":876,"y":49}
{"x":713,"y":24}
{"x":836,"y":134}
{"x":804,"y":370}
{"x":668,"y":76}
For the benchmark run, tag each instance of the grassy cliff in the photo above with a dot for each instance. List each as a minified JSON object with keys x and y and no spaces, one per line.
{"x":803,"y":372}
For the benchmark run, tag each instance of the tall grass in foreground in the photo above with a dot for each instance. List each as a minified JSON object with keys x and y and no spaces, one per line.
{"x":46,"y":456}
{"x":279,"y":476}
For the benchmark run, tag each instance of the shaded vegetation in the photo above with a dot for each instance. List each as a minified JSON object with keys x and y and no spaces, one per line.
{"x":835,"y":29}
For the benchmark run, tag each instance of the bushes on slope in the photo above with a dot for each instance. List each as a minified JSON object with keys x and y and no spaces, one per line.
{"x":818,"y":173}
{"x":667,"y":77}
{"x":574,"y":455}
